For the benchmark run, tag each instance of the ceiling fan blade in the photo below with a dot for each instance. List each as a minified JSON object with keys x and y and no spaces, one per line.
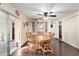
{"x":64,"y":11}
{"x":51,"y":15}
{"x":40,"y":18}
{"x":40,"y":14}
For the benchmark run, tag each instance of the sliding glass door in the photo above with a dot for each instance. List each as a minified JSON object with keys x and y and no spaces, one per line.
{"x":9,"y":33}
{"x":4,"y":34}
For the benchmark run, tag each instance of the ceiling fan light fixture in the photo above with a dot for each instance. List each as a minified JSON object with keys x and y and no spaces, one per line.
{"x":45,"y":14}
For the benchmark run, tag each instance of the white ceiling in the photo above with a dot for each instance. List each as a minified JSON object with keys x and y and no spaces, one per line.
{"x":31,"y":10}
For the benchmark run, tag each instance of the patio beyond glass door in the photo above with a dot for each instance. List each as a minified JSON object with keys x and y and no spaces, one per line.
{"x":4,"y":34}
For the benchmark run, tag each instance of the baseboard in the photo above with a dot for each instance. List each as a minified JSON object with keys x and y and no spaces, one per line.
{"x":67,"y":43}
{"x":13,"y":51}
{"x":24,"y":44}
{"x":71,"y":45}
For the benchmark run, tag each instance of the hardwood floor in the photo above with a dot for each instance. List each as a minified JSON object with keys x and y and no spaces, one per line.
{"x":60,"y":48}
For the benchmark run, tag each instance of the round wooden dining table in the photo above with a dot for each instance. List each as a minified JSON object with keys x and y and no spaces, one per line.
{"x":40,"y":41}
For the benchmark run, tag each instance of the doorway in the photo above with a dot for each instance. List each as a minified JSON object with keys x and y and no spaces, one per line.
{"x":14,"y":33}
{"x":33,"y":26}
{"x":45,"y":26}
{"x":60,"y":29}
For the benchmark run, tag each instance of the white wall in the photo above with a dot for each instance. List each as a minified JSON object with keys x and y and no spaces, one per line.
{"x":70,"y":29}
{"x":29,"y":27}
{"x":55,"y":29}
{"x":49,"y":25}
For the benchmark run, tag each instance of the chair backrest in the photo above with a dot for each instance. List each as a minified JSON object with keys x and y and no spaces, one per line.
{"x":47,"y":35}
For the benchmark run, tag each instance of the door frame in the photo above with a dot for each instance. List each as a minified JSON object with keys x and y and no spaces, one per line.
{"x":60,"y":29}
{"x":16,"y":33}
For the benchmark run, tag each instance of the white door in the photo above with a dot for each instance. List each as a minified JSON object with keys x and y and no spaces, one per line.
{"x":14,"y":26}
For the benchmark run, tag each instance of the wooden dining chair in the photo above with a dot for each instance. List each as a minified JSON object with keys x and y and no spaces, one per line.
{"x":48,"y":45}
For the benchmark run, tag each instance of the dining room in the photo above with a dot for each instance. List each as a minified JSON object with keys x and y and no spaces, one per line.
{"x":39,"y":29}
{"x":50,"y":29}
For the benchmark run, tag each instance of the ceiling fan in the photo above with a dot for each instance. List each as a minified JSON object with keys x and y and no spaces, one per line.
{"x":47,"y":14}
